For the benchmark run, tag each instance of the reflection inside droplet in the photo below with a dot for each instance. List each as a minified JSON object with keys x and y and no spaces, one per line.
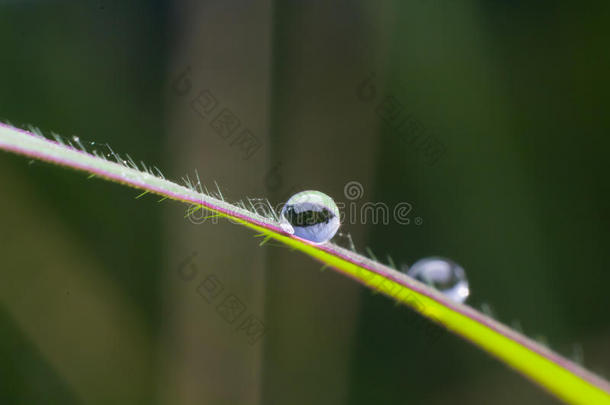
{"x":443,"y":274}
{"x":310,"y":215}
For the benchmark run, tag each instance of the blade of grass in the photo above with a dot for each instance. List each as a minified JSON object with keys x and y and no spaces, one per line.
{"x":560,"y":376}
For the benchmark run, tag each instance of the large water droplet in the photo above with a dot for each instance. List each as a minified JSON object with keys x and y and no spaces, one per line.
{"x":310,"y":215}
{"x":443,"y":274}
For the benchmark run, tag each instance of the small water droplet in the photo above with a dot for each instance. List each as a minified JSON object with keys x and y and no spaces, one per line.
{"x":310,"y":215}
{"x":443,"y":274}
{"x":75,"y":138}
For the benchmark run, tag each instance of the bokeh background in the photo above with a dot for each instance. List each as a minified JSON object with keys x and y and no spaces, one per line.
{"x":488,"y":117}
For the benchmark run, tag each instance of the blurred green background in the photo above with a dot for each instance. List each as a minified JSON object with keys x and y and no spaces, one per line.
{"x":488,"y":117}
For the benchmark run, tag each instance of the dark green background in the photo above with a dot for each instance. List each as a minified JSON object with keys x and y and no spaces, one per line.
{"x":516,"y":93}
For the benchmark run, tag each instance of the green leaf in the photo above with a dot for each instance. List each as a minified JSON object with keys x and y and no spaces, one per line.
{"x":560,"y":376}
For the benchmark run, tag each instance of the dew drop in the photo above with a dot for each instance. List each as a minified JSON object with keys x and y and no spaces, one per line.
{"x":76,"y":139}
{"x":310,"y":215}
{"x":443,"y":274}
